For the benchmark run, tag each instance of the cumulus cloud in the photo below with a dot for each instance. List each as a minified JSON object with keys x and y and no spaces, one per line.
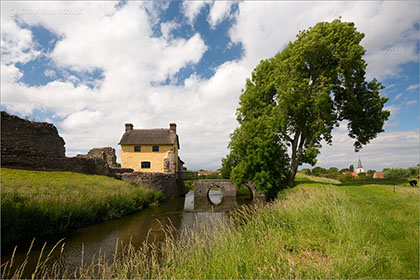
{"x":119,"y":41}
{"x":219,"y":11}
{"x":49,"y":73}
{"x":389,"y":149}
{"x":389,"y":28}
{"x":192,"y":9}
{"x":394,"y":110}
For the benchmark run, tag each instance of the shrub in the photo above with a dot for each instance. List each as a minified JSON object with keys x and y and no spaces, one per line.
{"x":396,"y":173}
{"x":306,"y":171}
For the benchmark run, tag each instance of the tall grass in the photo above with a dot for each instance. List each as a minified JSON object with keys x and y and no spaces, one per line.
{"x":318,"y":230}
{"x":35,"y":203}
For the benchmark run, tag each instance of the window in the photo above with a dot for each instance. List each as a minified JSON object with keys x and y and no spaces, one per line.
{"x":155,"y":148}
{"x":145,"y":164}
{"x":137,"y":148}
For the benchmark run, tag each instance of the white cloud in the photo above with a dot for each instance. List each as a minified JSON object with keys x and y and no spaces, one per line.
{"x":410,"y":102}
{"x":394,"y":110}
{"x":219,"y":10}
{"x":16,"y":43}
{"x":398,"y":96}
{"x":389,"y":149}
{"x":120,"y":43}
{"x":10,"y":73}
{"x":412,"y":87}
{"x":391,"y":124}
{"x":192,"y":9}
{"x":49,"y":73}
{"x":167,"y":27}
{"x":390,"y":35}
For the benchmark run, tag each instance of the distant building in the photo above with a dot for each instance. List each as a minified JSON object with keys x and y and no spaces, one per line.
{"x":378,"y":175}
{"x":150,"y":150}
{"x":354,"y":174}
{"x":359,"y":168}
{"x":204,"y":172}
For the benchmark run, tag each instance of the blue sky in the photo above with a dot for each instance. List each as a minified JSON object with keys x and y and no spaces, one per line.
{"x":90,"y":67}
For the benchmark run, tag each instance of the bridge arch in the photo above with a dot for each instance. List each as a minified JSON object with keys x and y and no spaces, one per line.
{"x":214,"y":200}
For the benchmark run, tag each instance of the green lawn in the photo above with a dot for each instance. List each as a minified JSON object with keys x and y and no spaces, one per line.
{"x":35,"y":203}
{"x":320,"y":229}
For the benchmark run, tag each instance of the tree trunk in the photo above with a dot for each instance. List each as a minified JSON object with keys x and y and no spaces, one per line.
{"x":293,"y":162}
{"x":296,"y":157}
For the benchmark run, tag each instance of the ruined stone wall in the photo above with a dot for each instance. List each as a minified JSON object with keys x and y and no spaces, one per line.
{"x":105,"y":153}
{"x":29,"y":144}
{"x":37,"y":145}
{"x":164,"y":182}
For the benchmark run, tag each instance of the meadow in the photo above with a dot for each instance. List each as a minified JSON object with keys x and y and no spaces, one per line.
{"x":319,"y":229}
{"x":36,"y":203}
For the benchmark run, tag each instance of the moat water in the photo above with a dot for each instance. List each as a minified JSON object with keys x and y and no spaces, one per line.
{"x":181,"y":213}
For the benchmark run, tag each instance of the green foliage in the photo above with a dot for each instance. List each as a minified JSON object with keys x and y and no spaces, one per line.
{"x":370,"y":172}
{"x":214,"y":175}
{"x":397,"y":174}
{"x":296,"y":98}
{"x":306,"y":171}
{"x":189,"y":184}
{"x":333,"y":170}
{"x":414,"y":171}
{"x":227,"y":164}
{"x":318,"y":171}
{"x":258,"y":157}
{"x":35,"y":203}
{"x":351,"y":168}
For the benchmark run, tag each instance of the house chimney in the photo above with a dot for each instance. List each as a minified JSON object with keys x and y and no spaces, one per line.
{"x":172,"y":126}
{"x":128,"y":127}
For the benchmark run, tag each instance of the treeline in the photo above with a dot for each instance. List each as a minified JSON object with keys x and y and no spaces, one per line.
{"x":345,"y":174}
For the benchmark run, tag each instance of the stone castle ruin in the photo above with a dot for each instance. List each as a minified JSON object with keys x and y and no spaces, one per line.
{"x":38,"y":146}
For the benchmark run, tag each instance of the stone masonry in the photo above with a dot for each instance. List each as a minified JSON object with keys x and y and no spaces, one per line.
{"x":29,"y":144}
{"x":202,"y":187}
{"x":37,"y":146}
{"x":165,"y":182}
{"x":106,"y":153}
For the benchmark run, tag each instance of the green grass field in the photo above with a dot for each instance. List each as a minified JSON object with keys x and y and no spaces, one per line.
{"x":35,"y":203}
{"x":319,"y":229}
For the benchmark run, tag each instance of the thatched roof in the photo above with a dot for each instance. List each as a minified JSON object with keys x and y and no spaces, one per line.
{"x":160,"y":136}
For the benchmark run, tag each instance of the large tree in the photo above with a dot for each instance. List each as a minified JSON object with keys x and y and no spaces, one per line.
{"x":295,"y":99}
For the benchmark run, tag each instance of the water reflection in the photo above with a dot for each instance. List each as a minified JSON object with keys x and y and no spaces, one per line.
{"x":215,"y":196}
{"x":189,"y":212}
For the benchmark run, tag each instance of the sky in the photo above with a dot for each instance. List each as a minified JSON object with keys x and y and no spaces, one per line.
{"x":90,"y":67}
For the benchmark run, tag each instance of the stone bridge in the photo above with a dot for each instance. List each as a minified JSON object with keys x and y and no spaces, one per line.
{"x":202,"y":187}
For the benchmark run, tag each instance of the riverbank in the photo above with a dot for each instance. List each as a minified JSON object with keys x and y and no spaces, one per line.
{"x":316,"y":230}
{"x":36,"y":203}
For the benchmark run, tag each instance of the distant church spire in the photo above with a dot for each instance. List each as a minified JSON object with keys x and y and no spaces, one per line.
{"x":359,"y":168}
{"x":359,"y":164}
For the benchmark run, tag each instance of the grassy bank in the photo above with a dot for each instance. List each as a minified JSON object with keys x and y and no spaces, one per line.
{"x":35,"y":203}
{"x":317,"y":230}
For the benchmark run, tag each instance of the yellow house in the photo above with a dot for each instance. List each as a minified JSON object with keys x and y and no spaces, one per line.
{"x":150,"y":150}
